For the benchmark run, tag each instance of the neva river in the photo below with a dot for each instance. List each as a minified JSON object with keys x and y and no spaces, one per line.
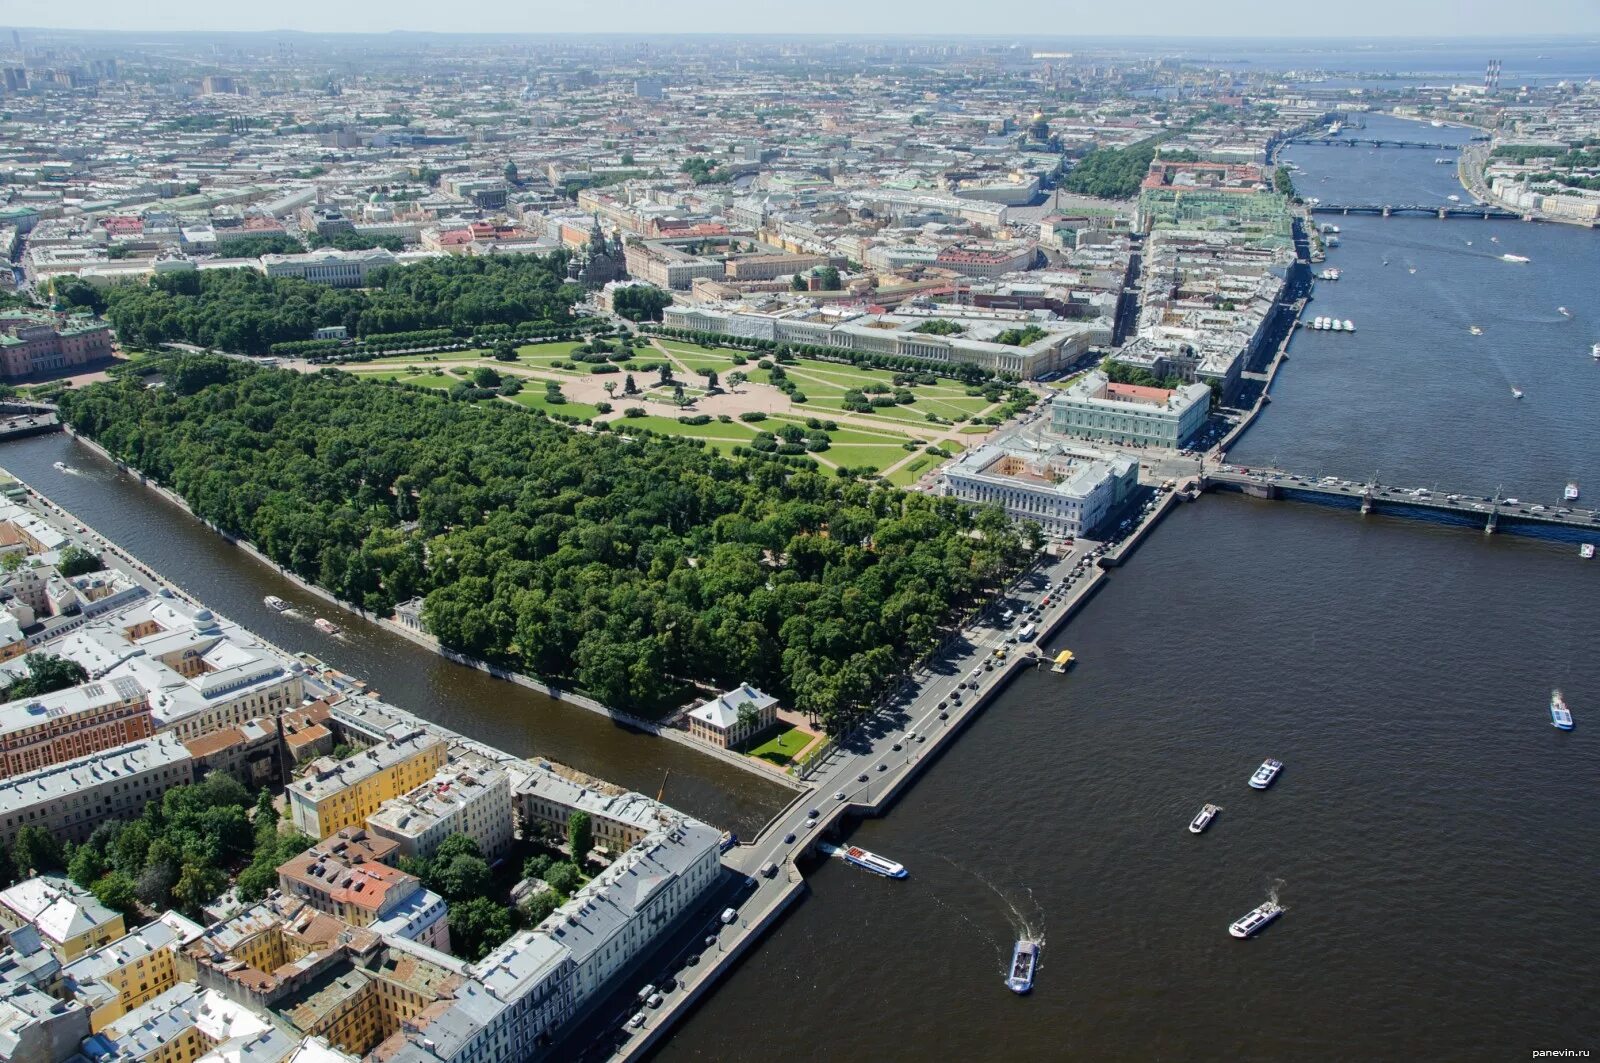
{"x":1433,"y":837}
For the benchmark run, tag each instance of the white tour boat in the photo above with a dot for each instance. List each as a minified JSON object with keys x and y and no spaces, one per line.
{"x":1024,"y":964}
{"x":1571,"y":493}
{"x":327,"y":627}
{"x":1560,"y":716}
{"x":1515,"y":258}
{"x":1265,"y":774}
{"x":1247,"y":925}
{"x":1203,"y":820}
{"x":275,"y":603}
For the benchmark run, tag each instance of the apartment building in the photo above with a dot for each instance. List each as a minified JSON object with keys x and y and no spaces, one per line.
{"x":343,"y":793}
{"x":37,"y":1026}
{"x":363,"y":893}
{"x":68,"y":917}
{"x":71,"y":799}
{"x":768,"y":267}
{"x":460,"y":799}
{"x":36,"y":732}
{"x":132,"y":970}
{"x":545,"y":800}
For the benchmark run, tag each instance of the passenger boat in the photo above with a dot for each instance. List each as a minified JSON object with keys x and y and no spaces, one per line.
{"x":1586,"y":551}
{"x":1024,"y":962}
{"x":327,"y":627}
{"x":1560,"y":715}
{"x":1475,"y":330}
{"x":1516,"y":393}
{"x":874,"y":863}
{"x":1563,"y":311}
{"x":1594,"y":350}
{"x":60,"y":465}
{"x":1247,"y":925}
{"x":1571,"y":493}
{"x":1265,"y":774}
{"x":1203,"y":820}
{"x":275,"y":603}
{"x":1515,"y":258}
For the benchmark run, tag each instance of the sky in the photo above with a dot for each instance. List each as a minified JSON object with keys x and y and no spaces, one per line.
{"x":1027,"y":19}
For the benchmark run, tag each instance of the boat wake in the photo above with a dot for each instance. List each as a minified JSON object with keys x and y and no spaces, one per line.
{"x":1026,"y":920}
{"x":1272,"y":893}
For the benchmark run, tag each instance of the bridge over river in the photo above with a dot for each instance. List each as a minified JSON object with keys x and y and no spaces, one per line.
{"x":1563,"y":521}
{"x":1367,"y":142}
{"x":1449,"y":210}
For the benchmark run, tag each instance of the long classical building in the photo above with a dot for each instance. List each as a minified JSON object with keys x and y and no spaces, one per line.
{"x":460,"y":799}
{"x":1060,"y":345}
{"x":71,"y":799}
{"x":1095,"y":408}
{"x":37,"y":732}
{"x":1067,"y":492}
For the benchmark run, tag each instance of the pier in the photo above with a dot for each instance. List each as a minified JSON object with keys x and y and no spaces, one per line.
{"x":1565,"y":521}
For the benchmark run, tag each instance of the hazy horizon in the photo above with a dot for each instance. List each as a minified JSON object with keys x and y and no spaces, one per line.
{"x":1024,"y":20}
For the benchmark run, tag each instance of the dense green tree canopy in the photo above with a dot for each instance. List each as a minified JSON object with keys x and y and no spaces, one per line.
{"x":628,"y":566}
{"x":241,"y":311}
{"x":1113,"y":173}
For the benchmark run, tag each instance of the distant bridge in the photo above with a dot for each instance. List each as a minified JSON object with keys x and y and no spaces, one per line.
{"x":1364,"y":142}
{"x":1556,"y":520}
{"x":1449,"y":210}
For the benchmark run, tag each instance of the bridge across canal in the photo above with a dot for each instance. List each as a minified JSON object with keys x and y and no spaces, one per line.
{"x":1449,"y":210}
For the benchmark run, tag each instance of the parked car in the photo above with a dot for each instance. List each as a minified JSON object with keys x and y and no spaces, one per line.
{"x":729,"y":915}
{"x":637,"y":1020}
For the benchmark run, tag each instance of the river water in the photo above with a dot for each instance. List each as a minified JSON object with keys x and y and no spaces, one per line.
{"x":1433,"y":837}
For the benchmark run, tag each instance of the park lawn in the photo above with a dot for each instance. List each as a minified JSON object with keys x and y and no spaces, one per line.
{"x":406,"y":376}
{"x":784,"y":746}
{"x":738,"y":431}
{"x":544,"y":353}
{"x":962,"y":406}
{"x":686,"y":347}
{"x":856,"y":455}
{"x":534,"y":399}
{"x":437,"y":356}
{"x":907,"y":474}
{"x":975,"y":429}
{"x":846,"y":433}
{"x":955,"y":449}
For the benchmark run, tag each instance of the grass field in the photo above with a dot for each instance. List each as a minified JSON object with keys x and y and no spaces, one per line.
{"x":411,"y":376}
{"x":738,"y":431}
{"x":783,"y":747}
{"x":533,"y":397}
{"x":907,"y":474}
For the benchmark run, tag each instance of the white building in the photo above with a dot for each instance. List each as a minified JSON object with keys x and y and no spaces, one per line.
{"x":1068,"y":493}
{"x":74,"y":797}
{"x":717,"y":721}
{"x":460,"y":799}
{"x":1095,"y":408}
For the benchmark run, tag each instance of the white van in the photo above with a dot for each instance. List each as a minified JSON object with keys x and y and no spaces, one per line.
{"x":1026,"y":633}
{"x":1007,"y":616}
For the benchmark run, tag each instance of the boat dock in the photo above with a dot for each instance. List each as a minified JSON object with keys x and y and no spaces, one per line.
{"x":1491,"y":513}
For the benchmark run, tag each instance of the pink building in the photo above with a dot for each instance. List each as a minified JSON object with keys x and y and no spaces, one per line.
{"x":35,"y":344}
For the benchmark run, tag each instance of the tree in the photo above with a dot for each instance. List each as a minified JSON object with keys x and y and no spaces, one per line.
{"x":535,"y":866}
{"x":484,"y":377}
{"x":117,"y":891}
{"x":711,"y":379}
{"x":798,"y":283}
{"x":828,"y":276}
{"x":197,"y":884}
{"x":459,"y":877}
{"x":537,"y":908}
{"x":629,"y":387}
{"x":564,"y":877}
{"x":47,"y":673}
{"x":580,"y":836}
{"x":8,"y":867}
{"x":749,"y":716}
{"x":75,"y":561}
{"x":86,"y":866}
{"x":36,"y":850}
{"x":735,"y":378}
{"x":477,"y":925}
{"x":154,"y":884}
{"x":505,"y":351}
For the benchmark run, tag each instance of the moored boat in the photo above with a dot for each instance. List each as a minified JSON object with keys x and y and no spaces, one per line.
{"x":1024,"y":964}
{"x":1560,"y":715}
{"x":873,"y":862}
{"x":327,"y":627}
{"x":1247,"y":925}
{"x":275,"y":603}
{"x":1204,"y":818}
{"x":1571,"y":493}
{"x":1064,"y":661}
{"x":1266,"y":774}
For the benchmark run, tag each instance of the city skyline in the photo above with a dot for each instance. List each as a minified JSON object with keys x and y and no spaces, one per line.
{"x":1252,"y":19}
